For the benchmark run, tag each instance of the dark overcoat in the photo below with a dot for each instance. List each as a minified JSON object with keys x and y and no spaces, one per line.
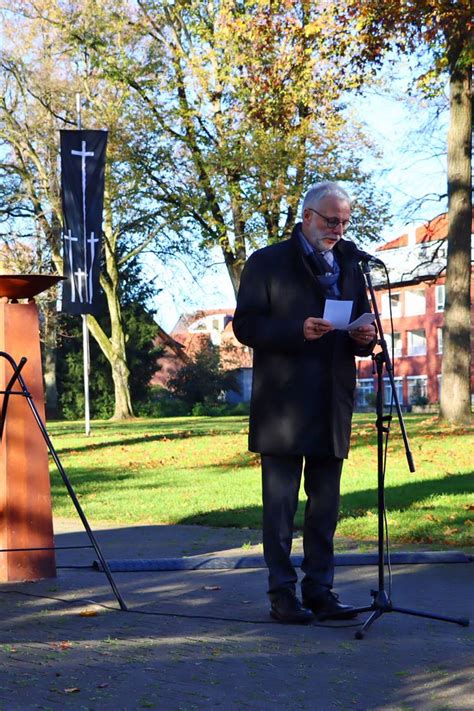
{"x":302,"y":391}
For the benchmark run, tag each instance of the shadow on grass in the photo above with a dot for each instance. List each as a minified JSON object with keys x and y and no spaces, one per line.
{"x":401,"y":497}
{"x":398,"y":497}
{"x":141,"y":423}
{"x":355,"y":505}
{"x":142,"y":433}
{"x":105,"y":481}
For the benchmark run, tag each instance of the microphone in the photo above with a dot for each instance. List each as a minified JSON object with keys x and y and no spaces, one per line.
{"x":362,"y":256}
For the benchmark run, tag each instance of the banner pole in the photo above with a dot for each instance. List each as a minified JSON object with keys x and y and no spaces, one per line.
{"x":85,"y":329}
{"x":86,"y":353}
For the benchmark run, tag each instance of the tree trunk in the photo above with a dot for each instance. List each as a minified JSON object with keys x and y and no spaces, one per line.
{"x":114,"y":351}
{"x":49,"y":360}
{"x":113,"y":347}
{"x":123,"y":404}
{"x":456,"y":369}
{"x":234,"y":269}
{"x":118,"y":361}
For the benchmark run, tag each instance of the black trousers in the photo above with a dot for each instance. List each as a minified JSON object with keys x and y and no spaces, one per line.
{"x":281,"y":477}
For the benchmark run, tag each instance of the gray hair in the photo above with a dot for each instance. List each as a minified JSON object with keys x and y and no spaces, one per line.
{"x":321,"y":190}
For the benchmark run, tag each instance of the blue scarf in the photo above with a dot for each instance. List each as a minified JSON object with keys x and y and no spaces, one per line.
{"x":326,"y":275}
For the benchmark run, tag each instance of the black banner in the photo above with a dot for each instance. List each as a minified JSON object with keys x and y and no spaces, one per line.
{"x":82,"y":194}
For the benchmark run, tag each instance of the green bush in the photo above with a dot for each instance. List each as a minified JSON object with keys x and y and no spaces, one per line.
{"x":420,"y":400}
{"x":174,"y":407}
{"x":163,"y":407}
{"x":203,"y":380}
{"x":371,"y":399}
{"x":70,"y":382}
{"x":241,"y":408}
{"x":209,"y":409}
{"x":224,"y":409}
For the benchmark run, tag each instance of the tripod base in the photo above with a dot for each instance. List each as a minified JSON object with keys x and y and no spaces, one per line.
{"x":26,"y":395}
{"x":383,"y":604}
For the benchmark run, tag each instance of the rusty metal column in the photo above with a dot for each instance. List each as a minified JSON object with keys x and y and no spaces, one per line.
{"x":25,"y":497}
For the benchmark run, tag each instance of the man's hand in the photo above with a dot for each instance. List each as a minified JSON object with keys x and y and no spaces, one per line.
{"x":314,"y":328}
{"x":363,"y":335}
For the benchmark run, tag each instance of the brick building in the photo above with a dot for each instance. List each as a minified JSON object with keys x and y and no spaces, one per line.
{"x":416,"y":262}
{"x":192,"y":333}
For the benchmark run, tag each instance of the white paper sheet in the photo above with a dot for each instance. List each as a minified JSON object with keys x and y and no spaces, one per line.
{"x":363,"y":320}
{"x":339,"y":312}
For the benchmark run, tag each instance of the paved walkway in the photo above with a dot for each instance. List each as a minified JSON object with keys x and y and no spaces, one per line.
{"x":203,"y":639}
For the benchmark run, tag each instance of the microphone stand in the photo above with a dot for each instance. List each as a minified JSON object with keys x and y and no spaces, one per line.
{"x":381,"y":601}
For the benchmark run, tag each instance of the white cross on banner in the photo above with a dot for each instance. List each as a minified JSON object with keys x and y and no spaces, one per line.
{"x":82,"y":192}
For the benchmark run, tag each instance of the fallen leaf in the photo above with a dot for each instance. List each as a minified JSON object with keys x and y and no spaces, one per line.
{"x":211,"y":587}
{"x":72,"y":690}
{"x":103,"y":686}
{"x":88,"y":613}
{"x":61,"y":645}
{"x":449,"y":531}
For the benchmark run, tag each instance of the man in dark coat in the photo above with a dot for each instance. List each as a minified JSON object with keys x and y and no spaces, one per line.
{"x":303,"y":393}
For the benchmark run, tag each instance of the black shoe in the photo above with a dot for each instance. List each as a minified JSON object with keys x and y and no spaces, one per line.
{"x":287,"y":609}
{"x":327,"y":607}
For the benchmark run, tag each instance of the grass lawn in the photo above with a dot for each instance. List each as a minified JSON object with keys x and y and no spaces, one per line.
{"x":198,"y":471}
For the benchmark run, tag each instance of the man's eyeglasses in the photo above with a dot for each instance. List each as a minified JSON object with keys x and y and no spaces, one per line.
{"x":332,"y":222}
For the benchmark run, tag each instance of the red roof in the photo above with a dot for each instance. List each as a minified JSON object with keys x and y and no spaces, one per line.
{"x":435,"y":229}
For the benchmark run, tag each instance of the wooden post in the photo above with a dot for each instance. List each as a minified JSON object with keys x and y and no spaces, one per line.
{"x":25,"y":499}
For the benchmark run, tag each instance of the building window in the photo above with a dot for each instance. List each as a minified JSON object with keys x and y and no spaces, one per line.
{"x":439,"y":333}
{"x":416,"y":342}
{"x":364,"y":391}
{"x":417,"y":389}
{"x":439,"y":297}
{"x":439,"y":377}
{"x":415,"y":302}
{"x":397,"y":344}
{"x":387,"y":390}
{"x":395,"y":302}
{"x":199,"y":326}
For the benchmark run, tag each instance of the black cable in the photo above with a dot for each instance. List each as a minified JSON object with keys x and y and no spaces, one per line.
{"x":164,"y":614}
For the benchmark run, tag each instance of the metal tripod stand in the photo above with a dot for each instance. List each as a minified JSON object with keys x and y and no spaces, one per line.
{"x":381,"y":601}
{"x":23,"y":392}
